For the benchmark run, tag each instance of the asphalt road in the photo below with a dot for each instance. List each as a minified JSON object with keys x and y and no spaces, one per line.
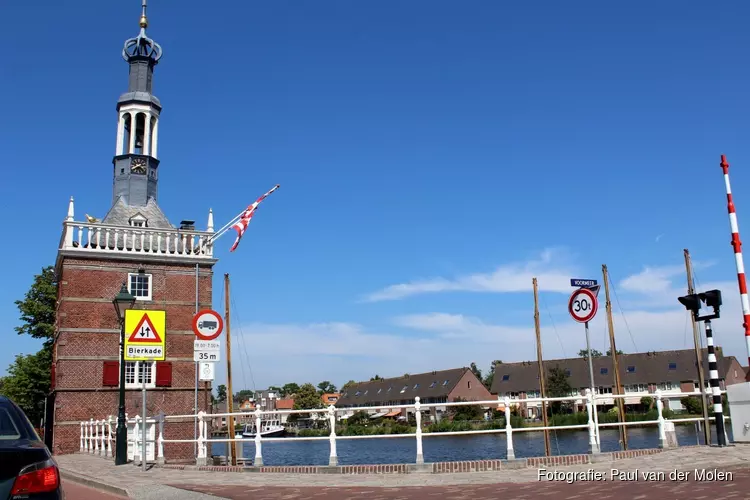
{"x":75,"y":491}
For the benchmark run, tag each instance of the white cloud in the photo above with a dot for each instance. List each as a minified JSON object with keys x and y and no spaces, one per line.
{"x":652,"y":320}
{"x":514,"y":277}
{"x":280,"y":353}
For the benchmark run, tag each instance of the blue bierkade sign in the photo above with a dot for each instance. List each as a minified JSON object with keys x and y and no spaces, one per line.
{"x":583,"y":283}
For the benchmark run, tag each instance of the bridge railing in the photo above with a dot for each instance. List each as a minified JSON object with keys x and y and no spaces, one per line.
{"x":97,"y":437}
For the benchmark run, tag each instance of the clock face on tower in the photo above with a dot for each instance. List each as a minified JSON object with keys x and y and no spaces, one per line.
{"x":138,"y":165}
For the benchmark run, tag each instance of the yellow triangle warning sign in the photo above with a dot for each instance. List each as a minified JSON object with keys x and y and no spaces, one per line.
{"x":145,"y":332}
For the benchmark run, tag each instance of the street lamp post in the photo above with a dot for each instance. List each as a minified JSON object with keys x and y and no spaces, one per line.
{"x":122,"y":302}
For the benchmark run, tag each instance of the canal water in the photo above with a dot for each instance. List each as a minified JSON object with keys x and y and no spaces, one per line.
{"x":437,"y":448}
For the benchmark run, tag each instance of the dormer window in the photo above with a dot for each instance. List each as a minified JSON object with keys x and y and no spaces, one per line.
{"x":432,"y":385}
{"x":404,"y":389}
{"x":138,"y":220}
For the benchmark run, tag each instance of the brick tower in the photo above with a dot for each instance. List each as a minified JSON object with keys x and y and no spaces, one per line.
{"x":165,"y":267}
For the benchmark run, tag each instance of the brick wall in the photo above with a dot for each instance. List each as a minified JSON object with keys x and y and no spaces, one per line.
{"x":477,"y":391}
{"x":88,"y":334}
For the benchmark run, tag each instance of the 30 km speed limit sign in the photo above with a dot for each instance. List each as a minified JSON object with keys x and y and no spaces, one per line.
{"x":583,"y":305}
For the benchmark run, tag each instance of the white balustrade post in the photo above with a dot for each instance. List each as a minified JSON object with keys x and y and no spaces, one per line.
{"x":83,"y":438}
{"x":510,"y":455}
{"x":160,"y":452}
{"x":418,"y":417}
{"x":333,"y":459}
{"x":136,"y":441}
{"x":99,"y":439}
{"x":660,"y":419}
{"x":102,"y":438}
{"x":110,"y":451}
{"x":92,"y":442}
{"x":202,"y":458}
{"x":593,"y":444}
{"x":258,"y":462}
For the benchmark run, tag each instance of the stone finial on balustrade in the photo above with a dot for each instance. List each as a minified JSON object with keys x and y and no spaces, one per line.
{"x":71,"y":211}
{"x":210,"y":225}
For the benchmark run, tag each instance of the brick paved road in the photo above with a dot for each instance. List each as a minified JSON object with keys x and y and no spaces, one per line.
{"x":75,"y":491}
{"x":736,"y":489}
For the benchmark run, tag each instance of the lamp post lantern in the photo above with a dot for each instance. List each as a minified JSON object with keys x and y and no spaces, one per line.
{"x":122,"y":302}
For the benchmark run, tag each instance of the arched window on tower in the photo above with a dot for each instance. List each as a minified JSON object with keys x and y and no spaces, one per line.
{"x":151,"y":144}
{"x":125,"y":134}
{"x":140,"y":127}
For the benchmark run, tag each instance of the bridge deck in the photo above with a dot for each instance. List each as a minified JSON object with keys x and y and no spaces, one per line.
{"x":520,"y":483}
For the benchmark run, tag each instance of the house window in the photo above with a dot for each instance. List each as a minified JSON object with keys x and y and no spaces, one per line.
{"x":432,"y":385}
{"x":666,"y":386}
{"x":416,"y":386}
{"x":404,"y":389}
{"x":380,"y":390}
{"x":567,"y":372}
{"x":672,"y":366}
{"x":357,"y":394}
{"x":365,"y":394}
{"x":603,"y":371}
{"x":468,"y":384}
{"x":631,"y":369}
{"x":140,"y":285}
{"x":143,"y":369}
{"x":389,"y":388}
{"x":506,"y":378}
{"x":445,"y":383}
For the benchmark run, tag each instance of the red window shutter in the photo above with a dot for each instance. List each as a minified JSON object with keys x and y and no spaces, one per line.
{"x":163,"y":374}
{"x":111,"y":374}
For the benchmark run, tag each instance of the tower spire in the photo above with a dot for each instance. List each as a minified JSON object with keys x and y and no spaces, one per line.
{"x":136,"y":161}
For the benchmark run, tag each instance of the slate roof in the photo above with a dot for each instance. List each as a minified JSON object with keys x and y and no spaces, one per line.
{"x":121,"y":213}
{"x":386,"y":390}
{"x":647,"y":368}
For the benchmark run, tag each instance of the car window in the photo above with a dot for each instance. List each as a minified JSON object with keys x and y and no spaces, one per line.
{"x":8,"y":428}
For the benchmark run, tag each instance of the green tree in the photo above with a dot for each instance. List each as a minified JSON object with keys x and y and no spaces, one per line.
{"x":465,"y":412}
{"x":326,"y":387}
{"x":243,"y":395}
{"x":647,"y":402}
{"x":221,"y":393}
{"x":289,"y":389}
{"x":609,"y":352}
{"x":558,"y":386}
{"x":491,"y":374}
{"x":348,"y":385}
{"x":376,"y":377}
{"x":307,"y":398}
{"x":38,"y":307}
{"x":584,"y":353}
{"x":476,"y":370}
{"x":28,"y":383}
{"x":692,"y":405}
{"x":28,"y":379}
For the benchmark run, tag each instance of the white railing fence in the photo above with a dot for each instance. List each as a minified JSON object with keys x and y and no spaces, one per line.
{"x":98,"y":436}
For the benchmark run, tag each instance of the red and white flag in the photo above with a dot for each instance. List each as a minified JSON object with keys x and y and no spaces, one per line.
{"x":247,"y":215}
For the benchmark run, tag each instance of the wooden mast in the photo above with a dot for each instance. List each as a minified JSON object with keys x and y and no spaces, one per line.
{"x":543,"y":392}
{"x":230,"y":394}
{"x":615,"y":362}
{"x":698,"y":357}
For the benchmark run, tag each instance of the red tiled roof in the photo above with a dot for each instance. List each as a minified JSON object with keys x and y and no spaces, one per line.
{"x":284,"y":404}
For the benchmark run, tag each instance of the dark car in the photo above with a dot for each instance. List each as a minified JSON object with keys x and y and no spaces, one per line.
{"x":27,"y":469}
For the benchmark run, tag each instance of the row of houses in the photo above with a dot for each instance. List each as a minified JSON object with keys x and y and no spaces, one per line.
{"x":266,"y":401}
{"x":641,"y":374}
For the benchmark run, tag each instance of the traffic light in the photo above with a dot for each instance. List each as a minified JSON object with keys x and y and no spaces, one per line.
{"x":711,"y":298}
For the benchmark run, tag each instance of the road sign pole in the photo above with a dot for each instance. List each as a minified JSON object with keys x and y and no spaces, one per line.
{"x":593,"y":387}
{"x":195,"y":404}
{"x":145,"y":417}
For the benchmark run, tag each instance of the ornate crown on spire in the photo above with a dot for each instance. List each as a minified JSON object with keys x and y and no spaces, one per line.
{"x":142,"y":45}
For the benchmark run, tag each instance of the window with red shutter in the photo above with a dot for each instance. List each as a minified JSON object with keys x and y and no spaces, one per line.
{"x":111,"y":374}
{"x":163,"y":374}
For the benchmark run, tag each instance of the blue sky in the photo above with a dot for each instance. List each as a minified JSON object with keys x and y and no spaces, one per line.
{"x":415,"y":142}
